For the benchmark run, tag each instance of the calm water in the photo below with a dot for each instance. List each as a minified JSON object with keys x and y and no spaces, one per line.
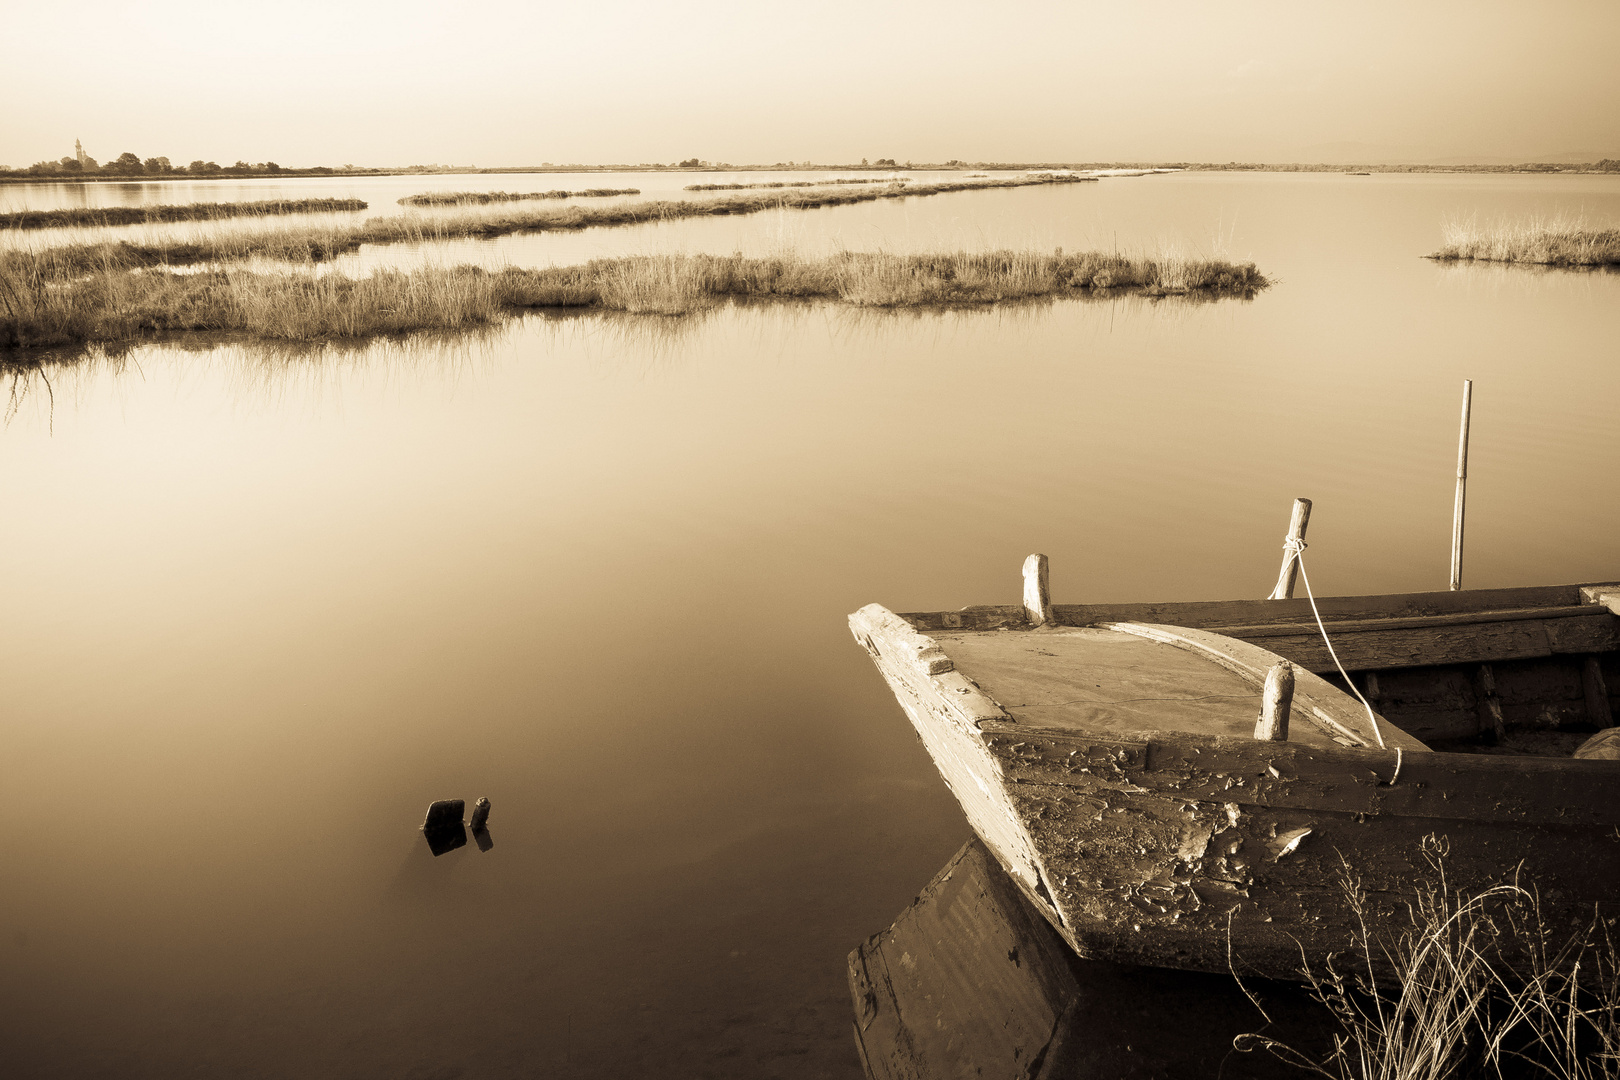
{"x":261,"y":611}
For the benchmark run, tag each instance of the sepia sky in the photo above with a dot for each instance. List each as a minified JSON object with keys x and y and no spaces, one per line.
{"x":305,"y":82}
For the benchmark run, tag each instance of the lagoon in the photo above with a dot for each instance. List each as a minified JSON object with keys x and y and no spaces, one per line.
{"x":264,"y":606}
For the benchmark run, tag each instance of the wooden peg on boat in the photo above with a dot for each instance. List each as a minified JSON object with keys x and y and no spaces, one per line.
{"x":1275,"y":702}
{"x":1290,"y":564}
{"x":1038,"y":590}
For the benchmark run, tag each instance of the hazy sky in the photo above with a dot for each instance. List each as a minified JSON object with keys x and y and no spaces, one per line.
{"x":306,"y":82}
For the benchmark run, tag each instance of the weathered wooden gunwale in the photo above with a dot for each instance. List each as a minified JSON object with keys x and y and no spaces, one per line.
{"x":1164,"y":846}
{"x":1213,"y":614}
{"x":1368,"y":632}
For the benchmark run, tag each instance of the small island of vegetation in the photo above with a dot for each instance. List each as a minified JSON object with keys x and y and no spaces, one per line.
{"x":801,"y":183}
{"x":483,"y":198}
{"x":1543,"y":243}
{"x":92,"y":216}
{"x":125,"y":304}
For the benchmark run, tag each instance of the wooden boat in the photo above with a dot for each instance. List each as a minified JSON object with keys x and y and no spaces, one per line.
{"x":970,"y":981}
{"x":1107,"y":755}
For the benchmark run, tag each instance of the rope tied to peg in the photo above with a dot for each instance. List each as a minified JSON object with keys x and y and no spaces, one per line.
{"x":1296,"y":547}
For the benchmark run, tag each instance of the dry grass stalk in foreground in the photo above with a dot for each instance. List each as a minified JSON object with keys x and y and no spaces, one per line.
{"x":41,"y":306}
{"x":1453,"y":1005}
{"x":91,"y":216}
{"x":317,"y":243}
{"x":1564,"y":1010}
{"x":481,"y":198}
{"x":1544,"y":242}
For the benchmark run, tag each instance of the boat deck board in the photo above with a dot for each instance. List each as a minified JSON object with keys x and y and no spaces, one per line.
{"x":1106,"y":682}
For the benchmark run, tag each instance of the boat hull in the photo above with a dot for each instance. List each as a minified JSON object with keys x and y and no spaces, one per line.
{"x":1207,"y":852}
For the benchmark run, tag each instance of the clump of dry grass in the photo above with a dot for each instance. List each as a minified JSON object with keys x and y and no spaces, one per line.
{"x":115,"y":305}
{"x":652,"y":285}
{"x":481,"y":198}
{"x":802,"y":183}
{"x":1562,"y":1014}
{"x":1543,"y":241}
{"x":91,"y":216}
{"x":47,"y":302}
{"x":1468,"y":985}
{"x":322,"y":242}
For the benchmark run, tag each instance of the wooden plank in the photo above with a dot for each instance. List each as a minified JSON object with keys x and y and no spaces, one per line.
{"x":1596,"y":693}
{"x":1212,"y":613}
{"x":946,"y":722}
{"x":1315,"y":698}
{"x":1169,"y":860}
{"x":977,"y":617}
{"x":890,"y":639}
{"x":1430,"y":785}
{"x":1490,"y":705}
{"x":1255,"y":631}
{"x":1592,"y":634}
{"x":1382,"y":649}
{"x":1606,"y":594}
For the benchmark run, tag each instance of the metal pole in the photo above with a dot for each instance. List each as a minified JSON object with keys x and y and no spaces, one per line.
{"x":1462,"y":488}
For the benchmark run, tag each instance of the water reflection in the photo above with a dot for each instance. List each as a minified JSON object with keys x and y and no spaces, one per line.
{"x":651,"y":339}
{"x":971,"y":981}
{"x":446,"y":837}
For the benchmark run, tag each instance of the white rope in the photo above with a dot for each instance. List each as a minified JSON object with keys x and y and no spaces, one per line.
{"x":1296,"y":547}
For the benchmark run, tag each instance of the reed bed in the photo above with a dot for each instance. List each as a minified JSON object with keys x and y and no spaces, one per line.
{"x":304,"y":305}
{"x":91,"y":216}
{"x":482,"y":198}
{"x":1473,"y":985}
{"x":1544,"y":242}
{"x":322,"y":242}
{"x":51,"y":303}
{"x":801,"y":183}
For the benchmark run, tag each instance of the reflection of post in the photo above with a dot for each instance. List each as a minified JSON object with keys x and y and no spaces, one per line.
{"x":1462,"y":487}
{"x":1290,"y":564}
{"x":443,"y":838}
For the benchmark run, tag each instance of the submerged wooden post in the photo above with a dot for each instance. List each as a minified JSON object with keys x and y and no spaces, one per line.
{"x":1462,"y":487}
{"x":1037,"y":590}
{"x":446,"y":813}
{"x":1290,"y":564}
{"x":1275,"y":703}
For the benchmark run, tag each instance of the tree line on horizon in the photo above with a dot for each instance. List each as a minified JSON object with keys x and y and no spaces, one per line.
{"x":131,"y":165}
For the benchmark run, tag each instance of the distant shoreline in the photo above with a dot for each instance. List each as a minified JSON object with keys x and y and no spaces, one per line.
{"x":1601,"y":168}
